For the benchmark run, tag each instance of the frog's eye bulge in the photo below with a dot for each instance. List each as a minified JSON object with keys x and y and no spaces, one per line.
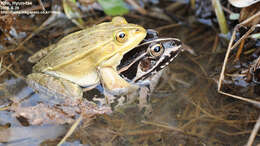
{"x":121,"y":36}
{"x":156,"y":50}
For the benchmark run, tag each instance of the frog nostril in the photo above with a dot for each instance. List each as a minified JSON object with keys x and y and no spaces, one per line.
{"x":137,"y":30}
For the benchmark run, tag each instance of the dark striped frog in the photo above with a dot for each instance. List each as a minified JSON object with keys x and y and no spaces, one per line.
{"x":145,"y":63}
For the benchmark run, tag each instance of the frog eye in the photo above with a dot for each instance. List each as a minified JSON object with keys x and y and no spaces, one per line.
{"x":156,"y":50}
{"x":121,"y":37}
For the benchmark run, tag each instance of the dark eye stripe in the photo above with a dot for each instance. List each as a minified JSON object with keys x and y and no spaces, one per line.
{"x":166,"y":60}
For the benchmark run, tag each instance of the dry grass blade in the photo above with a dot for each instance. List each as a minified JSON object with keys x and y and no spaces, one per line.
{"x":220,"y":16}
{"x":142,"y":132}
{"x":73,"y":12}
{"x":71,"y":130}
{"x":137,"y":7}
{"x":192,"y":3}
{"x":225,"y":63}
{"x":200,"y":66}
{"x":13,"y":72}
{"x":1,"y":62}
{"x":214,"y":48}
{"x":159,"y":29}
{"x":257,"y":103}
{"x":231,"y":47}
{"x":234,"y":133}
{"x":253,"y":133}
{"x":239,"y":51}
{"x":163,"y":126}
{"x":40,"y":2}
{"x":3,"y":68}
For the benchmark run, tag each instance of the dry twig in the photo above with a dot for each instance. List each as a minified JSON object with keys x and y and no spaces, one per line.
{"x":231,"y":47}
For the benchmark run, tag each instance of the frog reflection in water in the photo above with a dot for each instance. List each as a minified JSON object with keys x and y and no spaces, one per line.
{"x":81,"y":59}
{"x":145,"y":64}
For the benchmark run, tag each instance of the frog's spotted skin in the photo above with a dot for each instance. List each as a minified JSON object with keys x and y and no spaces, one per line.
{"x":78,"y":59}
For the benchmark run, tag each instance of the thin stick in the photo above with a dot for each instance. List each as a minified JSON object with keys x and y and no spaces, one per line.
{"x":254,"y":132}
{"x":163,"y":126}
{"x":40,"y":2}
{"x":239,"y":51}
{"x":138,"y":8}
{"x":159,"y":29}
{"x":221,"y":78}
{"x":13,"y":72}
{"x":257,"y":103}
{"x":230,"y":47}
{"x":71,"y":130}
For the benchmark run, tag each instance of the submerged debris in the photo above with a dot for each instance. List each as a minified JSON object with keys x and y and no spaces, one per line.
{"x":254,"y":71}
{"x":58,"y":114}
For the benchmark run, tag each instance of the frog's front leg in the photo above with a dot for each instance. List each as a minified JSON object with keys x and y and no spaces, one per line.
{"x":111,"y":79}
{"x":58,"y":88}
{"x":114,"y":83}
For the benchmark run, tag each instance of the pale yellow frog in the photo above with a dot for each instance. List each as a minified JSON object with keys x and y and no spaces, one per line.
{"x":85,"y":59}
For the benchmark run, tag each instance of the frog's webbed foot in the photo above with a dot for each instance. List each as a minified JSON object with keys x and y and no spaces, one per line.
{"x":54,"y":87}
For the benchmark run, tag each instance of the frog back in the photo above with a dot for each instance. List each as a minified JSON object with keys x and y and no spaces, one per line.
{"x":76,"y":46}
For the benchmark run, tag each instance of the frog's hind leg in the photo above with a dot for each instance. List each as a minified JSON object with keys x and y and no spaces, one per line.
{"x":41,"y":53}
{"x":54,"y":87}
